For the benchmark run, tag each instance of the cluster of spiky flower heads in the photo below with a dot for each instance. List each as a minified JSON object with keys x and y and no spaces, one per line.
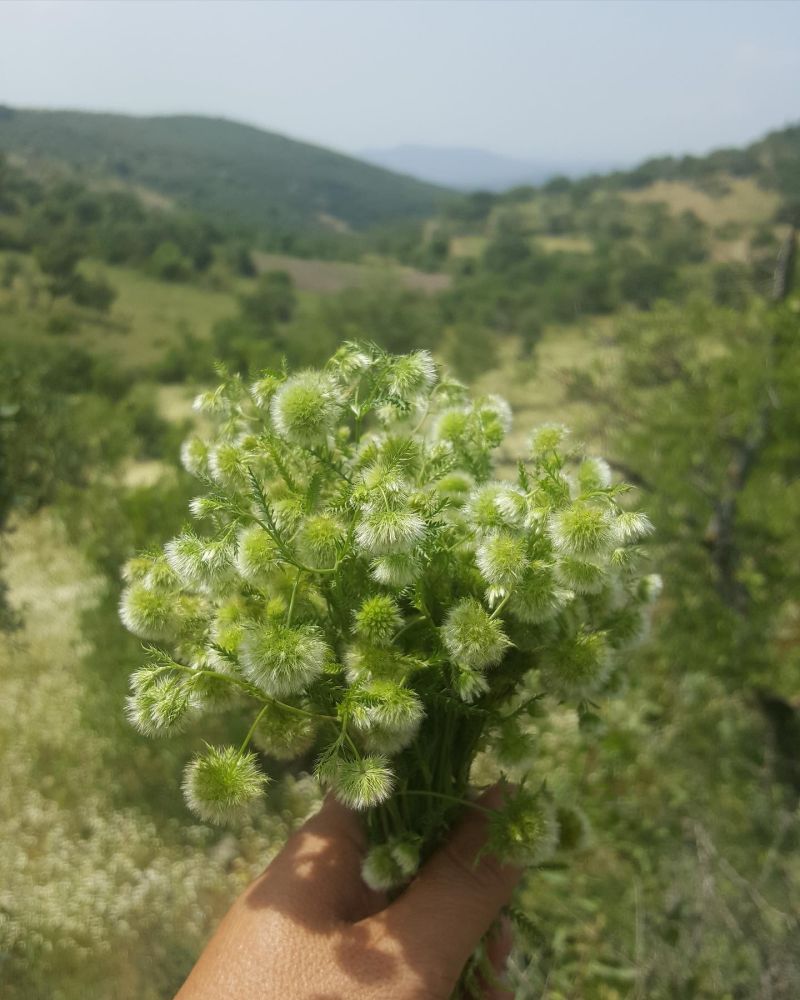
{"x":375,"y":602}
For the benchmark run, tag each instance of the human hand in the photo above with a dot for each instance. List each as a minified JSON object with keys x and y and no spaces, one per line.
{"x":310,"y":929}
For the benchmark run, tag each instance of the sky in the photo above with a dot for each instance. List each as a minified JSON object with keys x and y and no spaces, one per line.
{"x":572,"y":81}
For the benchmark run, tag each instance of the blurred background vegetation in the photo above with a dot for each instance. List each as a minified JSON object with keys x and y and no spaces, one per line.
{"x":655,"y":311}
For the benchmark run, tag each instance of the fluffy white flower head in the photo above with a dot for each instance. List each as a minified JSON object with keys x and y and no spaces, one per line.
{"x":472,"y":637}
{"x":221,"y":782}
{"x":305,"y":408}
{"x":280,"y":659}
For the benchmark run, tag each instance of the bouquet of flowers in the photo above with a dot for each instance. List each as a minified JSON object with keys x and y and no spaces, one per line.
{"x":372,"y":599}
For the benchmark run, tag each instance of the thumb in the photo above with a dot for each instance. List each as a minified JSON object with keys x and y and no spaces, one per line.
{"x":451,"y":904}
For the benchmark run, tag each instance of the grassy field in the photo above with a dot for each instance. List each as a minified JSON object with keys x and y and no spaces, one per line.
{"x":537,"y":391}
{"x":146,"y":316}
{"x":326,"y":277}
{"x":154,"y":312}
{"x":743,"y":201}
{"x":473,"y":246}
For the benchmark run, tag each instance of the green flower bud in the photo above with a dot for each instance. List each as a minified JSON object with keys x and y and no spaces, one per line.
{"x":365,"y":662}
{"x":282,"y":660}
{"x":351,"y":359}
{"x":547,"y":438}
{"x":594,"y":474}
{"x":407,"y":854}
{"x":512,"y":745}
{"x":148,"y":613}
{"x":468,"y":683}
{"x":203,"y":507}
{"x":632,"y":526}
{"x":452,"y":425}
{"x":582,"y":530}
{"x":576,"y":663}
{"x":228,"y":626}
{"x":411,"y":374}
{"x":455,"y":485}
{"x":263,"y":389}
{"x":305,"y":408}
{"x":214,"y":401}
{"x":152,"y":571}
{"x":472,"y":637}
{"x":380,"y":869}
{"x":221,"y":782}
{"x":158,"y":703}
{"x":385,"y":706}
{"x":537,"y":597}
{"x":227,"y":466}
{"x":524,"y":831}
{"x":136,"y":570}
{"x":382,"y":483}
{"x":200,"y":562}
{"x":397,"y":570}
{"x":363,"y":782}
{"x":385,"y":532}
{"x":257,"y":555}
{"x":580,"y":575}
{"x":320,"y":540}
{"x":377,"y":620}
{"x":650,"y":588}
{"x":211,"y":687}
{"x":495,"y":409}
{"x":284,"y":734}
{"x":289,"y":513}
{"x":495,"y":506}
{"x":502,"y":559}
{"x":194,"y":457}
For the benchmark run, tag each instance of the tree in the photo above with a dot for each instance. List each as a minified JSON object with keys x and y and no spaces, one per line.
{"x":169,"y":264}
{"x":509,"y":246}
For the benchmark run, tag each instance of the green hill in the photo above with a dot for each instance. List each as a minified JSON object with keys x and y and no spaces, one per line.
{"x":230,"y":172}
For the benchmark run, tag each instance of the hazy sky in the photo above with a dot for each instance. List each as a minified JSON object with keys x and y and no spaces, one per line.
{"x":602,"y":81}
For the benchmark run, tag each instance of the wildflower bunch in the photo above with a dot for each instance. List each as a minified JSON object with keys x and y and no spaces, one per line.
{"x":372,"y":599}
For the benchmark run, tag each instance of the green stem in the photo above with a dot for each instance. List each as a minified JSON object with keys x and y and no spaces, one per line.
{"x":252,"y":729}
{"x":287,"y":557}
{"x":291,"y":600}
{"x":251,"y":690}
{"x":448,"y":798}
{"x":409,"y":624}
{"x":501,"y":605}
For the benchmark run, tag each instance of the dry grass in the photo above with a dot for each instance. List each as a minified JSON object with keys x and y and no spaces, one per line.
{"x":175,"y":402}
{"x":744,"y":201}
{"x":326,"y":277}
{"x":565,"y":244}
{"x":467,"y":246}
{"x":536,"y":390}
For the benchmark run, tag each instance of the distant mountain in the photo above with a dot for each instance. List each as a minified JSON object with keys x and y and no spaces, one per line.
{"x":472,"y":169}
{"x":228,"y":171}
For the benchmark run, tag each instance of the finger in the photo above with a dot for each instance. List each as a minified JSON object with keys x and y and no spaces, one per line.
{"x":498,"y":948}
{"x":447,"y":909}
{"x":318,"y":872}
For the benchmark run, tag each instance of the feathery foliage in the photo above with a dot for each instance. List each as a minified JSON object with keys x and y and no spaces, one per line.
{"x":361,"y":584}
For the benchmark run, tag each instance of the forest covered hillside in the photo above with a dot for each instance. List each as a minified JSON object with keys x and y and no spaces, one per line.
{"x":231,"y":172}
